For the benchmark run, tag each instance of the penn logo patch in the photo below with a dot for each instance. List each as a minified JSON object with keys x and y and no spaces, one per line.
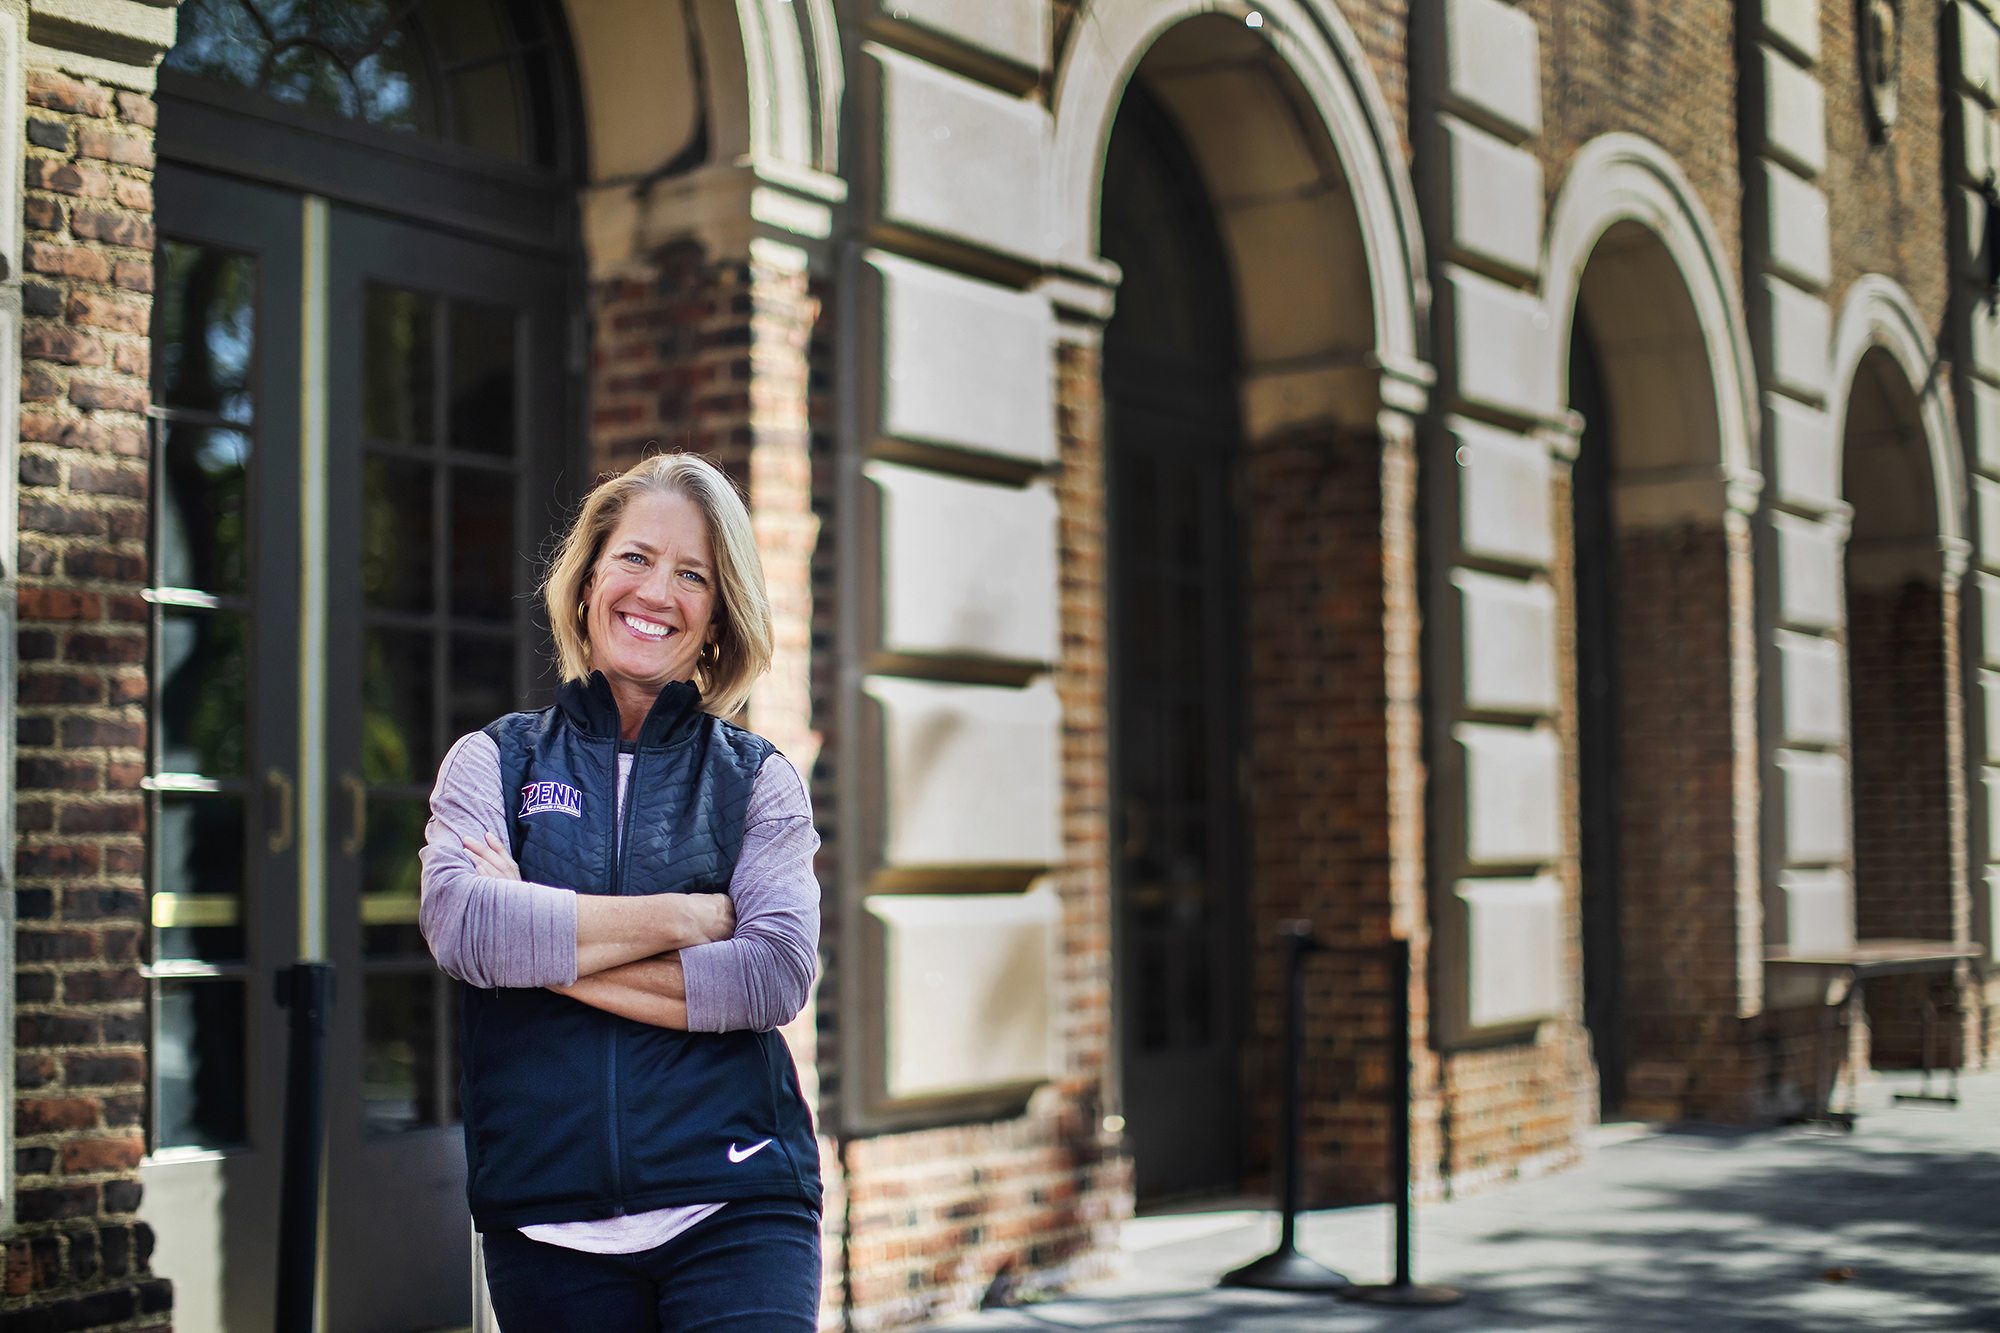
{"x":539,"y":798}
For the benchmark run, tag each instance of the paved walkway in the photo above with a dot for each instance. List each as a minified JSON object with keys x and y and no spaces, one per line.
{"x":1713,"y":1231}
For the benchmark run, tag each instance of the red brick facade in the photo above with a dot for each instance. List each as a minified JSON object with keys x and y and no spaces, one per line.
{"x":79,"y":1259}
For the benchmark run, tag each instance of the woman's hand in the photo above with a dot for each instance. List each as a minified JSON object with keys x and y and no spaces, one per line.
{"x":491,"y":857}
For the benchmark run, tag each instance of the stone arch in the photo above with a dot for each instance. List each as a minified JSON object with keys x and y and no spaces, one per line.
{"x":1899,"y":474}
{"x":1313,"y":49}
{"x":1878,"y":313}
{"x":1620,"y":179}
{"x":1652,"y":358}
{"x":691,"y":106}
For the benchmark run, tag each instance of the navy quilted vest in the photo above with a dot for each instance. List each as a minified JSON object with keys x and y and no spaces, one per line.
{"x":574,"y":1114}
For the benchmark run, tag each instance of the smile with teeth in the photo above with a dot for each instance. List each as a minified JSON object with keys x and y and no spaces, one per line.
{"x":646,"y":629}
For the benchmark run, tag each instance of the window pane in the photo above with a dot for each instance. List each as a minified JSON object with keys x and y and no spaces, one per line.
{"x":484,"y":109}
{"x":463,"y":29}
{"x":207,"y":329}
{"x":389,"y":875}
{"x":198,"y":897}
{"x":482,"y":544}
{"x":399,"y":1054}
{"x":199,"y":1062}
{"x":217,"y":39}
{"x":395,"y":87}
{"x":482,"y":681}
{"x":204,"y":694}
{"x":396,"y":534}
{"x":203,"y":532}
{"x":397,"y":707}
{"x":482,"y":379}
{"x":398,"y":386}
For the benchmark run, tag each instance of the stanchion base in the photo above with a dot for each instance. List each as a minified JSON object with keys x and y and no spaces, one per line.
{"x":1409,"y":1295}
{"x":1285,"y":1270}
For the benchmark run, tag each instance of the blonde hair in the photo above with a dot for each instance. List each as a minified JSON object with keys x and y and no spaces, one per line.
{"x":742,"y":650}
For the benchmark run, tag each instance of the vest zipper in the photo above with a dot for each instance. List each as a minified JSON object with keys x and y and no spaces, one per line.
{"x":620,"y":841}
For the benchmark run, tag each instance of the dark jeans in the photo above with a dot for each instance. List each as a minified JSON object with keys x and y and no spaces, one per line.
{"x":753,"y":1267}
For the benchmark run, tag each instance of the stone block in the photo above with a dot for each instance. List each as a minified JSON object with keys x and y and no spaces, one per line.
{"x":1508,"y":628}
{"x":1795,"y":227}
{"x":1810,"y":587}
{"x":1989,"y":622}
{"x":1500,"y":339}
{"x":967,"y":568}
{"x":1513,"y":794}
{"x":1978,"y":47}
{"x":1973,"y":127}
{"x":1496,"y":199}
{"x":1813,"y":706}
{"x":1515,"y":949}
{"x":1986,"y":427}
{"x":1986,"y":508}
{"x":1819,"y":913}
{"x":1990,"y":780}
{"x":1993,"y":913}
{"x":1812,"y":791}
{"x":1792,"y":113}
{"x":1986,"y":339}
{"x":965,"y":364}
{"x":1503,"y":494}
{"x":1493,"y":65}
{"x":1805,"y":454}
{"x":1793,"y":25}
{"x":1989,"y":690}
{"x":971,"y":774}
{"x":1014,"y":30}
{"x":1798,"y":328}
{"x":958,"y":159}
{"x":967,"y":984}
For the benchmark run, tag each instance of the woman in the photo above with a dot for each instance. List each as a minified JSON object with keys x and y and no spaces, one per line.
{"x":624,"y":883}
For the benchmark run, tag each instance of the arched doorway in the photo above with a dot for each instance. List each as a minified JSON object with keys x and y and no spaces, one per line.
{"x":363,"y":382}
{"x":1179,"y":861}
{"x":1652,"y":590}
{"x":1903,"y":710}
{"x":1248,"y":474}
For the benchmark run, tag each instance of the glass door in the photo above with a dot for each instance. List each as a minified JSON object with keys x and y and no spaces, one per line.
{"x":224,"y":726}
{"x":446,"y":369}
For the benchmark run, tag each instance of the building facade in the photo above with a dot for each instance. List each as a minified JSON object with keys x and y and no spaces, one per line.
{"x":1519,"y":478}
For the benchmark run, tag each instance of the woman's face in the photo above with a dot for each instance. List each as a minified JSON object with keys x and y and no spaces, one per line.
{"x":651,"y":597}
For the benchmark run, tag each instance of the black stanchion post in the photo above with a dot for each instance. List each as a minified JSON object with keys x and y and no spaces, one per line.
{"x":306,"y":990}
{"x":1285,"y":1269}
{"x":1402,"y":1291}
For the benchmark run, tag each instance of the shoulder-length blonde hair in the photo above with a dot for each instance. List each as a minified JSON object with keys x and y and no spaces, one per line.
{"x":742,"y":649}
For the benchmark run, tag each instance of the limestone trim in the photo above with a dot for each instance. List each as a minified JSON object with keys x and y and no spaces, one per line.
{"x":1879,"y":313}
{"x":1108,"y":39}
{"x":1625,"y":177}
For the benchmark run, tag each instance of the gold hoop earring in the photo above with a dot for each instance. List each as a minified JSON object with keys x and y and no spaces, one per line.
{"x":582,"y":610}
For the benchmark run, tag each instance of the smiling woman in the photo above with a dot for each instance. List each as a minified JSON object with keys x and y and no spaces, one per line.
{"x":624,"y":882}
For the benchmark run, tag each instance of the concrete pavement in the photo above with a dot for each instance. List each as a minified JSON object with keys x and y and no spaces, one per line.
{"x":1710,"y":1230}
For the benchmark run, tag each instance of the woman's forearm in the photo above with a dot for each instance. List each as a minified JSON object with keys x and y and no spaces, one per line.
{"x":651,"y":991}
{"x":614,"y":931}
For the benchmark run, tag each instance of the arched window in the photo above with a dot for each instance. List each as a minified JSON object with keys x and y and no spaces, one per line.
{"x":471,"y":72}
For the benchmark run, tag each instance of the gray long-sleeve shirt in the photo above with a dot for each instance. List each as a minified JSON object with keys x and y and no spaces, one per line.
{"x":494,"y":932}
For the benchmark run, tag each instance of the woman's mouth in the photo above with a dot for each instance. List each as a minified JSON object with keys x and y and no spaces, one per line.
{"x":651,"y":630}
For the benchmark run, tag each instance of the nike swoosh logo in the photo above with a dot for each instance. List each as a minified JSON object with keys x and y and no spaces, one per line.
{"x":737,"y":1154}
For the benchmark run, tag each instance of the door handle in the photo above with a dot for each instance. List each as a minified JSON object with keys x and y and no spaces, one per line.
{"x":357,"y":833}
{"x":281,"y":790}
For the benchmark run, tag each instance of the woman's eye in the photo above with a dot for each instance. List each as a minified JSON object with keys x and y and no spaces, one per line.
{"x":634,"y":557}
{"x":693,"y":577}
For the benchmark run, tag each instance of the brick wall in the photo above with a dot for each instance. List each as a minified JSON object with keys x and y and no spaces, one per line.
{"x":79,"y":1259}
{"x":1677,"y":830}
{"x":1908,"y":862}
{"x":1885,"y":194}
{"x":1318,"y":800}
{"x":1663,"y":69}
